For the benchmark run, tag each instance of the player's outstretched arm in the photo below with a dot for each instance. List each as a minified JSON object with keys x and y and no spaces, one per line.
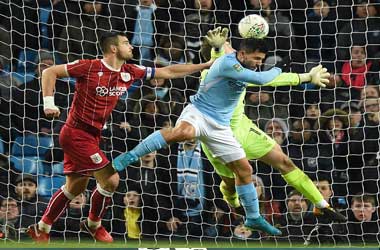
{"x":180,"y":70}
{"x":317,"y":75}
{"x":49,"y":77}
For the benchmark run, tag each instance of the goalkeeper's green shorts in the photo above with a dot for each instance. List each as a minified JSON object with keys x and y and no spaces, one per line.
{"x":254,"y":141}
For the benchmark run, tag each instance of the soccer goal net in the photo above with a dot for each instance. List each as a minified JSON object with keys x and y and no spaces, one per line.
{"x":332,"y":133}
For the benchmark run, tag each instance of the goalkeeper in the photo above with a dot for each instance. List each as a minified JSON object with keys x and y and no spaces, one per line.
{"x":258,"y":145}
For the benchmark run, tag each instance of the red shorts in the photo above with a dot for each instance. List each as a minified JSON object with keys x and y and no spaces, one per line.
{"x":81,"y":151}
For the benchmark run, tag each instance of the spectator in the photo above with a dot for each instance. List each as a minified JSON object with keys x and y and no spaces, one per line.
{"x":168,"y":92}
{"x":354,"y":112}
{"x":133,"y":213}
{"x":364,"y":150}
{"x":359,"y":71}
{"x":7,"y":82}
{"x":23,"y":26}
{"x":362,"y":29}
{"x":302,"y":147}
{"x":268,"y":208}
{"x":62,"y":11}
{"x":144,"y":30}
{"x":78,"y":39}
{"x":370,"y":91}
{"x":260,"y":107}
{"x":333,"y":148}
{"x":321,"y":30}
{"x":326,"y":231}
{"x":296,"y":222}
{"x":313,"y":112}
{"x":27,"y":108}
{"x":278,"y":130}
{"x":153,"y":178}
{"x":201,"y":17}
{"x":324,"y":186}
{"x":194,"y":191}
{"x":243,"y":233}
{"x":148,"y":115}
{"x":171,"y":50}
{"x":9,"y":219}
{"x":363,"y":225}
{"x":32,"y":207}
{"x":218,"y":225}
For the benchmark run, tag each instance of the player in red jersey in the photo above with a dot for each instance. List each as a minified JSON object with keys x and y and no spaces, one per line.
{"x":99,"y":84}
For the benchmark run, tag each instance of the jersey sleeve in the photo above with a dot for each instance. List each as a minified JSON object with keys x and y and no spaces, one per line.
{"x":284,"y":79}
{"x":78,"y":68}
{"x":234,"y":70}
{"x":142,"y":72}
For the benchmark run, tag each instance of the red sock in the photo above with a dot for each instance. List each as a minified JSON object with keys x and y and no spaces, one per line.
{"x":57,"y":205}
{"x":100,"y":199}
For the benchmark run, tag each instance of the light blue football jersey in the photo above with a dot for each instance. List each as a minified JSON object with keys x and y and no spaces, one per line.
{"x":220,"y":90}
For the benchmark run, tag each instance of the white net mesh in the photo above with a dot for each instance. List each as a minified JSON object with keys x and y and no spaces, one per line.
{"x":332,"y":134}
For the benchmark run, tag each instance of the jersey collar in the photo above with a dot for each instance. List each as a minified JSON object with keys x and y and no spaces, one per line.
{"x":109,"y":66}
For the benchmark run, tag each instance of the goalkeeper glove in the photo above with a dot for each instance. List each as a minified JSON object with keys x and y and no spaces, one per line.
{"x":317,"y":75}
{"x":217,"y":37}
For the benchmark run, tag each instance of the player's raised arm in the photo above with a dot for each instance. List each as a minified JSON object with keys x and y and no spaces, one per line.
{"x":49,"y":77}
{"x":180,"y":70}
{"x":317,"y":75}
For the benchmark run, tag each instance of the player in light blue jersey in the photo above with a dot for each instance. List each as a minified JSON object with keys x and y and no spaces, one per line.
{"x":208,"y":119}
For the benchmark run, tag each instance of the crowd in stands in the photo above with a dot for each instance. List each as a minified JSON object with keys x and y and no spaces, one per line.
{"x":332,"y":134}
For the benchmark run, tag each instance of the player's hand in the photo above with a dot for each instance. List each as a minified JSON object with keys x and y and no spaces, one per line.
{"x":319,"y":76}
{"x":125,"y":125}
{"x":173,"y":224}
{"x":217,"y":37}
{"x":52,"y":112}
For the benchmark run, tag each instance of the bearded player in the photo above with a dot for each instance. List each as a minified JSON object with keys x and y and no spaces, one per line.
{"x":99,"y":83}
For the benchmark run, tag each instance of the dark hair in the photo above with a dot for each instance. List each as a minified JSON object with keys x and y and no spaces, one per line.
{"x":251,"y":45}
{"x":364,"y":198}
{"x":110,"y":38}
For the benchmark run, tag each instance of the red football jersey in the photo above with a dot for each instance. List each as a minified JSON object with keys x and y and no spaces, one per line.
{"x":98,"y":88}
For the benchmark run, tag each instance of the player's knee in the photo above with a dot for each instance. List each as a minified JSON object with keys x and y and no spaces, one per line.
{"x":183,"y":134}
{"x":244,"y":172}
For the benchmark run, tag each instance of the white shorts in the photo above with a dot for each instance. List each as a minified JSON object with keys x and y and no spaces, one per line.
{"x":219,"y":139}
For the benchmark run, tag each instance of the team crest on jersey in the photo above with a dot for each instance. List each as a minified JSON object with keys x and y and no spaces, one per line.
{"x":126,"y":77}
{"x":100,"y":74}
{"x":237,"y":67}
{"x":96,"y":158}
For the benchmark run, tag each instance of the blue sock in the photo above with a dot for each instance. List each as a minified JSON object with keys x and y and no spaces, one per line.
{"x":248,"y":197}
{"x":150,"y":144}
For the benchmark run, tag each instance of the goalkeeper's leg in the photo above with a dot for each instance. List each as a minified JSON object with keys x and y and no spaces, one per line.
{"x":301,"y":182}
